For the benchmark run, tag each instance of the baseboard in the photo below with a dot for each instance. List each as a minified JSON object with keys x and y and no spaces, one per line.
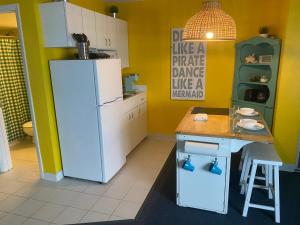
{"x":53,"y":177}
{"x":288,"y":167}
{"x":162,"y":137}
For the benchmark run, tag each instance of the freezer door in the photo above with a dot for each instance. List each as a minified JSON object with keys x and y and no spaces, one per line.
{"x":109,"y":79}
{"x":113,"y":155}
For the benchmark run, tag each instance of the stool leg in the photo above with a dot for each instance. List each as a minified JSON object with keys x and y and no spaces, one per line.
{"x":243,"y":157}
{"x":277,"y":200}
{"x":245,"y":176}
{"x":249,"y":191}
{"x":266,"y":168}
{"x":263,"y":169}
{"x":270,"y":181}
{"x":245,"y":160}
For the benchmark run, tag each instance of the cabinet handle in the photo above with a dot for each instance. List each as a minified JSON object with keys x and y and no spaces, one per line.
{"x":109,"y":42}
{"x":105,"y":42}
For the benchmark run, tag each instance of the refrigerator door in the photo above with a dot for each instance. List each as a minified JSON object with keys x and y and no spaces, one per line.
{"x":73,"y":86}
{"x":108,"y":78}
{"x":113,"y":156}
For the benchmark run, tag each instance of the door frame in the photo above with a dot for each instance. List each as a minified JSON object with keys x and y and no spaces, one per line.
{"x":14,"y":8}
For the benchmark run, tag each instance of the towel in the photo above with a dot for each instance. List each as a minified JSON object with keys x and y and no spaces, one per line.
{"x":5,"y":158}
{"x":200,"y":117}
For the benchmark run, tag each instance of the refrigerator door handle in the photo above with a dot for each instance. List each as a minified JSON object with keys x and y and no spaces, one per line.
{"x":107,"y":103}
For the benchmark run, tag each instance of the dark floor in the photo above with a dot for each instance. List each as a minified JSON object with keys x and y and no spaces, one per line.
{"x":160,"y":206}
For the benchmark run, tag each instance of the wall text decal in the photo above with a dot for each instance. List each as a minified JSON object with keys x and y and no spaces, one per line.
{"x":188,"y":68}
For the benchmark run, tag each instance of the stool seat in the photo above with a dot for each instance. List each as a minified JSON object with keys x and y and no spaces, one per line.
{"x":265,"y":155}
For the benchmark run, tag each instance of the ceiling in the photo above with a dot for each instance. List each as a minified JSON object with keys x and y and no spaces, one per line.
{"x":8,"y":20}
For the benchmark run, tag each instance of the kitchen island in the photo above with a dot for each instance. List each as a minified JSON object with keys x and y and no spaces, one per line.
{"x":207,"y":144}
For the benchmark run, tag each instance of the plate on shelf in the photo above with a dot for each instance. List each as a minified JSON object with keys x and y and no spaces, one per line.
{"x":247,"y":112}
{"x":250,"y":124}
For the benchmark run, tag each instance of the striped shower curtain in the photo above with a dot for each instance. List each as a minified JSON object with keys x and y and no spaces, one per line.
{"x":13,"y":96}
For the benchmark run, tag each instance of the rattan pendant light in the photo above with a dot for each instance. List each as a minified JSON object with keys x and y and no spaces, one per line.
{"x":210,"y":24}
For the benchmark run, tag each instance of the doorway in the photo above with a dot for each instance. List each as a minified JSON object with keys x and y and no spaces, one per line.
{"x":20,"y":138}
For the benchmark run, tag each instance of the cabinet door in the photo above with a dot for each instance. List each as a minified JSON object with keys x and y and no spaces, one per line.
{"x":122,"y":42}
{"x":135,"y":127}
{"x":111,"y":32}
{"x":101,"y":31}
{"x":74,"y":22}
{"x":126,"y":138}
{"x":201,"y":189}
{"x":142,"y":123}
{"x":89,"y":26}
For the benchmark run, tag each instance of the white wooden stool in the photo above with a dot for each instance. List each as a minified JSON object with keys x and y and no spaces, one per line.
{"x":266,"y":156}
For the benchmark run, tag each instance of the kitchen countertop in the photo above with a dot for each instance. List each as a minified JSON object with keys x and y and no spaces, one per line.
{"x":219,"y":126}
{"x":128,"y":95}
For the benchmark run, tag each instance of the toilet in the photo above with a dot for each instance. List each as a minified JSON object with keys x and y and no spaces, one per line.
{"x":27,"y":128}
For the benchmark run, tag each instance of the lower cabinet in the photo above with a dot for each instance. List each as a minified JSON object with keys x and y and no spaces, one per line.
{"x":134,"y":121}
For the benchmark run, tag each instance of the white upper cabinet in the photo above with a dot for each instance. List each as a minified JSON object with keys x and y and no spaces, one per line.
{"x":106,"y":29}
{"x":101,"y":31}
{"x":111,"y":32}
{"x":89,"y":26}
{"x":61,"y":19}
{"x":122,"y":42}
{"x":73,"y":21}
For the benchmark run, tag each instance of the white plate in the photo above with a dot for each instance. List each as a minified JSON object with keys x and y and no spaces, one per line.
{"x":250,"y":124}
{"x":246,"y":113}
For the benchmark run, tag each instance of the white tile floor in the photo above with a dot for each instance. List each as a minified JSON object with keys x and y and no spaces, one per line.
{"x":26,"y":199}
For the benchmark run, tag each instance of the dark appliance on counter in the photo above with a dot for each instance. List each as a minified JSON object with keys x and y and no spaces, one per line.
{"x":250,"y":95}
{"x":262,"y":95}
{"x":259,"y":95}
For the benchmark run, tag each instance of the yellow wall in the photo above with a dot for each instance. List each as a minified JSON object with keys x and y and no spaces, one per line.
{"x":37,"y":59}
{"x":150,"y":24}
{"x":287,"y":116}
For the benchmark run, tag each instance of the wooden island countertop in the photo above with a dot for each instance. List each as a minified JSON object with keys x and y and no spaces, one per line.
{"x":219,"y":126}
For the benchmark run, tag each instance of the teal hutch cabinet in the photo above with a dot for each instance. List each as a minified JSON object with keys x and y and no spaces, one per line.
{"x":256,"y":72}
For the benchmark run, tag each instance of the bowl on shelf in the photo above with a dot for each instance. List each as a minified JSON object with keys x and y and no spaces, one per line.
{"x":246,"y":111}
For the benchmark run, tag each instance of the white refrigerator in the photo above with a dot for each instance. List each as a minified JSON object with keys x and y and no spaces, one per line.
{"x":88,"y":101}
